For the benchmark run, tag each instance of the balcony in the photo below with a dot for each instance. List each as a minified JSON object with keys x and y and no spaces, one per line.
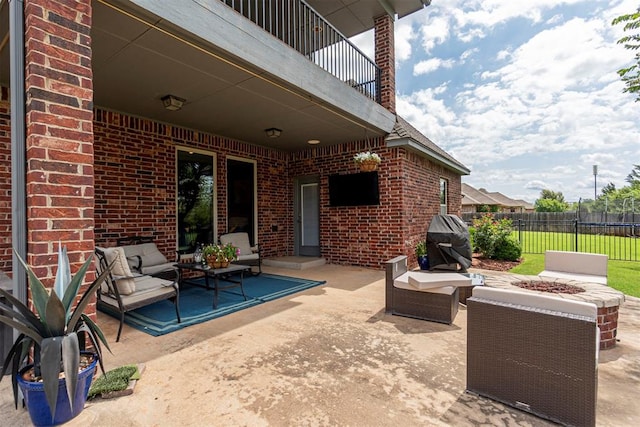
{"x":298,"y":25}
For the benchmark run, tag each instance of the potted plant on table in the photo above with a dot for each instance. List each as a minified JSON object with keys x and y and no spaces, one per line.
{"x":219,"y":256}
{"x":367,"y":161}
{"x":56,"y":384}
{"x":421,"y":254}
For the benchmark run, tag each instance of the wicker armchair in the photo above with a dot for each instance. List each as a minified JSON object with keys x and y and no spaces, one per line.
{"x":534,"y":352}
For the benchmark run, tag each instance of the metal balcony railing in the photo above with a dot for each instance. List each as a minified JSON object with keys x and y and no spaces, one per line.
{"x":295,"y":23}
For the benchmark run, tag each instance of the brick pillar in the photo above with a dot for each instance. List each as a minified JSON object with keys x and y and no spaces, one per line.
{"x":59,"y":134}
{"x":385,"y":59}
{"x":608,"y":324}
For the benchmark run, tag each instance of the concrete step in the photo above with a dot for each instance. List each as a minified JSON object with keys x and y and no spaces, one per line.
{"x":294,"y":262}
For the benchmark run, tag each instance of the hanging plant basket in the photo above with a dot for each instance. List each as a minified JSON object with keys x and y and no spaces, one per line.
{"x":367,"y":161}
{"x":368,"y":165}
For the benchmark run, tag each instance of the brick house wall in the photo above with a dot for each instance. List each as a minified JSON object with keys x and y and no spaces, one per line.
{"x":135,"y":181}
{"x":135,"y":191}
{"x":5,"y":181}
{"x":355,"y":235}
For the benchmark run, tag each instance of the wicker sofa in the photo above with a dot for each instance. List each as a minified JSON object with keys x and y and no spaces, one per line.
{"x":534,"y":352}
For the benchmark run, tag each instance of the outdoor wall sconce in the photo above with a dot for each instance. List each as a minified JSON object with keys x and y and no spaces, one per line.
{"x":313,"y":142}
{"x":172,"y":102}
{"x":273,"y":132}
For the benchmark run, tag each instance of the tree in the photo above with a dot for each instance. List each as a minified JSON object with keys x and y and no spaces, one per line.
{"x":634,"y":177}
{"x":631,"y":75}
{"x":551,"y":201}
{"x":550,"y":205}
{"x":610,"y":188}
{"x":552,"y":195}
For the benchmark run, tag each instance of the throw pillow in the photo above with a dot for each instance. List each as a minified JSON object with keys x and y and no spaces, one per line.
{"x":126,"y":285}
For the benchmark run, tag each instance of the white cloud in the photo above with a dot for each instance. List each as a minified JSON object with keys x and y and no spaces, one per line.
{"x":551,"y":107}
{"x":403,"y":36}
{"x":469,"y":53}
{"x":431,"y":65}
{"x":536,"y":185}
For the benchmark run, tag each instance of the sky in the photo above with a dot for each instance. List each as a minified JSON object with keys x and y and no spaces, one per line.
{"x":524,"y":94}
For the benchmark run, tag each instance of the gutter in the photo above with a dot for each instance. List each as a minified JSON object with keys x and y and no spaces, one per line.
{"x":416,"y":146}
{"x":18,"y":148}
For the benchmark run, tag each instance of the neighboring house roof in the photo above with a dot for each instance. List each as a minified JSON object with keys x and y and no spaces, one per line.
{"x":526,"y":204}
{"x":473,"y":196}
{"x":501,"y":198}
{"x":476,"y":197}
{"x":404,"y":134}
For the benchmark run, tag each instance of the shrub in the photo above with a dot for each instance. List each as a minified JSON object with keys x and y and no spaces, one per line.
{"x":509,"y":249}
{"x":472,"y":239}
{"x":493,"y":239}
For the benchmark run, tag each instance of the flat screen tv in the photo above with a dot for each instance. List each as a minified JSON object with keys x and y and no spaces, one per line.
{"x":356,"y":189}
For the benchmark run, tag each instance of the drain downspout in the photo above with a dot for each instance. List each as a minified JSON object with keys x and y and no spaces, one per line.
{"x":18,"y":147}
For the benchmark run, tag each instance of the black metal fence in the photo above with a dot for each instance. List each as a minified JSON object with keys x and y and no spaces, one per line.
{"x":619,"y":240}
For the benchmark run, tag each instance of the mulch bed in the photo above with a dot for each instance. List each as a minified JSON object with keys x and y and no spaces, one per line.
{"x":478,"y":261}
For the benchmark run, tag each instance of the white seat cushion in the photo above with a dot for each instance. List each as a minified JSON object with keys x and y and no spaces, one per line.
{"x":533,"y":300}
{"x":601,"y":280}
{"x":438,"y":287}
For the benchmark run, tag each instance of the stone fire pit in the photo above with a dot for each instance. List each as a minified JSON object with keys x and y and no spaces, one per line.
{"x":607,"y":299}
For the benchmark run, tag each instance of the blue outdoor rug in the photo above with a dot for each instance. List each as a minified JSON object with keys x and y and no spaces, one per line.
{"x":196,"y":303}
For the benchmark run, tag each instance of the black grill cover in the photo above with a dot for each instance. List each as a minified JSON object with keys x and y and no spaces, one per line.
{"x":448,"y":243}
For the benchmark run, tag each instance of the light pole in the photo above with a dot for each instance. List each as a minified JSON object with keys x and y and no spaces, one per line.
{"x":595,"y":182}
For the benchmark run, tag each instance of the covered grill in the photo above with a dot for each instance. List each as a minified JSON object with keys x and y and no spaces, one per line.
{"x":448,"y":243}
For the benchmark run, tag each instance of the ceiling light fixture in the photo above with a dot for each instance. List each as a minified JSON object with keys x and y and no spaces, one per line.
{"x":313,"y":142}
{"x":172,"y":102}
{"x":273,"y":132}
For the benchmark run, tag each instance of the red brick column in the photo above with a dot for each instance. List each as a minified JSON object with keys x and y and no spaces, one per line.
{"x":385,"y":59}
{"x":608,"y":324}
{"x":59,"y":133}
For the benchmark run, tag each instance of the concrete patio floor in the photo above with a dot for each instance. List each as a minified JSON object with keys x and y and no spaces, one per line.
{"x":328,"y":356}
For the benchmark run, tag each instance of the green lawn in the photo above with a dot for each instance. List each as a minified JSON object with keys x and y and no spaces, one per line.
{"x":622,"y":275}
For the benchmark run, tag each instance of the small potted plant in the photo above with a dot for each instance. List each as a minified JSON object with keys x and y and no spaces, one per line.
{"x":219,"y":256}
{"x":55,"y":336}
{"x":228,"y":253}
{"x":367,"y":161}
{"x":421,"y":254}
{"x":210,"y":255}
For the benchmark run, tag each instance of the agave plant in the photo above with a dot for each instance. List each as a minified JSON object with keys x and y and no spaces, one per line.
{"x":56,"y":332}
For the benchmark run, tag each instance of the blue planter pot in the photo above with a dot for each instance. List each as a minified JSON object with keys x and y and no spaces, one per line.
{"x":36,"y":400}
{"x":423,"y":262}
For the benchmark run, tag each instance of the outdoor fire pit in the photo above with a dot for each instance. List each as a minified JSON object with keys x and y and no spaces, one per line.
{"x":608,"y":300}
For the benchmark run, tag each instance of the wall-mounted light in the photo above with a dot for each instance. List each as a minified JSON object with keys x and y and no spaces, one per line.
{"x":313,"y":142}
{"x":273,"y":132}
{"x":172,"y":102}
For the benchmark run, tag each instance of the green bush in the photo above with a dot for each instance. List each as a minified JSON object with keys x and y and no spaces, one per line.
{"x":509,"y":249}
{"x":472,"y":239}
{"x":492,"y":238}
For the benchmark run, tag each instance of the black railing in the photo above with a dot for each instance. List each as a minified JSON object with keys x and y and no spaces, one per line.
{"x":295,"y":23}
